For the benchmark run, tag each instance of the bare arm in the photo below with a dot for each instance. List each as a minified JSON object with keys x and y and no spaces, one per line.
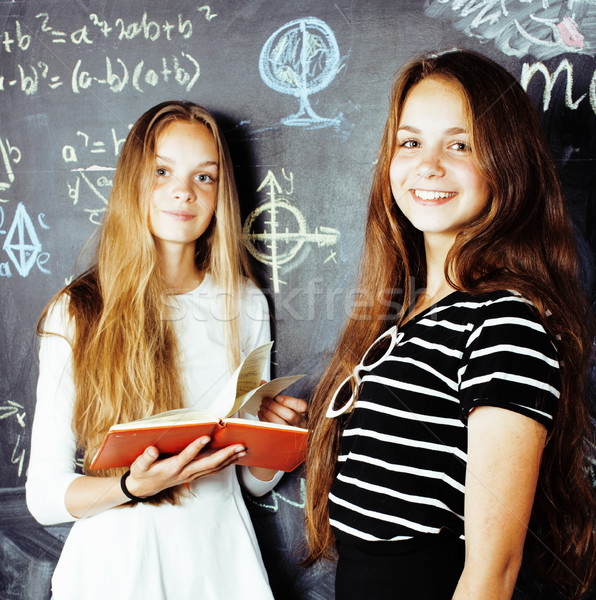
{"x":504,"y":452}
{"x":87,"y":496}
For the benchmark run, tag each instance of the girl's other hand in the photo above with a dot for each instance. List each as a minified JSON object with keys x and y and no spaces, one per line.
{"x":149,"y":474}
{"x":284,"y":409}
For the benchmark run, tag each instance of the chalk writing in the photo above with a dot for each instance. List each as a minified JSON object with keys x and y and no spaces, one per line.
{"x":94,"y":146}
{"x":9,"y":155}
{"x":273,"y":245}
{"x":276,"y":498}
{"x":541,"y":28}
{"x":18,"y":456}
{"x":22,"y":41}
{"x":40,"y":220}
{"x":17,"y":411}
{"x":117,"y":75}
{"x":208,"y":14}
{"x":82,"y":73}
{"x":94,"y":185}
{"x":47,"y":28}
{"x":30,"y":77}
{"x":22,"y":245}
{"x":93,"y":182}
{"x":13,"y":409}
{"x":529,"y":71}
{"x":145,"y":28}
{"x":19,"y":37}
{"x":150,"y":30}
{"x":300,"y":59}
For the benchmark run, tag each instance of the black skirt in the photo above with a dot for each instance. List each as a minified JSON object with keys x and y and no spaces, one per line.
{"x":425,"y":568}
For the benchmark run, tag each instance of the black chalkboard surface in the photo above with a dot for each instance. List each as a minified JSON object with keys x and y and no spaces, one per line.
{"x":75,"y":74}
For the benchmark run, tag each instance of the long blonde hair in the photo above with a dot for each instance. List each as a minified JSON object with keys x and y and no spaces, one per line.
{"x":125,"y":357}
{"x":523,"y":241}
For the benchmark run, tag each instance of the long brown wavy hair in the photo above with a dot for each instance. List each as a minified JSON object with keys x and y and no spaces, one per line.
{"x":125,"y":358}
{"x":522,"y":241}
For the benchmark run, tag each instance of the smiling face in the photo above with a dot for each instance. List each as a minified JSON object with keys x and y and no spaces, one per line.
{"x":184,"y":197}
{"x":434,"y":179}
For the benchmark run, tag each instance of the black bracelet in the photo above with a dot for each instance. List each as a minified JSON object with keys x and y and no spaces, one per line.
{"x":127,"y":493}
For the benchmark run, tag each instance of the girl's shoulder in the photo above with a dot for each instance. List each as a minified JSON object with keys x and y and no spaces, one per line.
{"x":253,"y":301}
{"x":250,"y":289}
{"x":56,"y":318}
{"x":504,"y":315}
{"x":57,"y":309}
{"x":501,"y":310}
{"x":79,"y":299}
{"x":496,"y":304}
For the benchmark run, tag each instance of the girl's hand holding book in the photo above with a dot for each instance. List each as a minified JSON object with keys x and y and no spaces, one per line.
{"x":149,"y":474}
{"x":284,"y":409}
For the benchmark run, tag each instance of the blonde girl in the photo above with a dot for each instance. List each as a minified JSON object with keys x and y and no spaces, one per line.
{"x":158,"y":322}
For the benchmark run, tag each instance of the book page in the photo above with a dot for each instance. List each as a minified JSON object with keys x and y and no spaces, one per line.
{"x":243,"y":389}
{"x":246,"y":378}
{"x":251,"y":401}
{"x":169,"y":417}
{"x":252,"y":370}
{"x":264,"y":424}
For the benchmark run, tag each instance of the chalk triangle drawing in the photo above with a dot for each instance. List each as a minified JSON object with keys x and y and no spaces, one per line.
{"x":21,"y":243}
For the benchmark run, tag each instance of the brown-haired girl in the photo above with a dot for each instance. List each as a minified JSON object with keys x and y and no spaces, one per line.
{"x":440,"y":444}
{"x":159,"y":322}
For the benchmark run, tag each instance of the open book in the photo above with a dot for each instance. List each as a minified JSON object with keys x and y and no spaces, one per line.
{"x":268,"y":445}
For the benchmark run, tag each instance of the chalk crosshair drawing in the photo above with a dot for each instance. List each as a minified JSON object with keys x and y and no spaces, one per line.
{"x":301,"y":58}
{"x":267,"y":246}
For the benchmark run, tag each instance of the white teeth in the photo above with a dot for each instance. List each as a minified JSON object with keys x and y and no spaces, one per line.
{"x":427,"y":195}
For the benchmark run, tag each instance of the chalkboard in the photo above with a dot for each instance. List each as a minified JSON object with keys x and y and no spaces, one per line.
{"x":75,"y":74}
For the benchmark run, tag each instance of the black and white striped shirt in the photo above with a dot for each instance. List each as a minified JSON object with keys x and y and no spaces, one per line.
{"x":402,"y":463}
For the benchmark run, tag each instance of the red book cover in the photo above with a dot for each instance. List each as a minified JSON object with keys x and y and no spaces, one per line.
{"x":268,"y":445}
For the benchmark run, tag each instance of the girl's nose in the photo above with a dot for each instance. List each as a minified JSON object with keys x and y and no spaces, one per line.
{"x":184,"y":191}
{"x":430,"y":164}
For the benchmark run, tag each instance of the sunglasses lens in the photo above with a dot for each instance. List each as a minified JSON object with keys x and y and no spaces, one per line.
{"x":377,"y":351}
{"x":342,"y":399}
{"x":342,"y":395}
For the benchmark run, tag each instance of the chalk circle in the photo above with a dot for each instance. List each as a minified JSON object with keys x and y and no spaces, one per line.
{"x":301,"y":58}
{"x":265,"y":246}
